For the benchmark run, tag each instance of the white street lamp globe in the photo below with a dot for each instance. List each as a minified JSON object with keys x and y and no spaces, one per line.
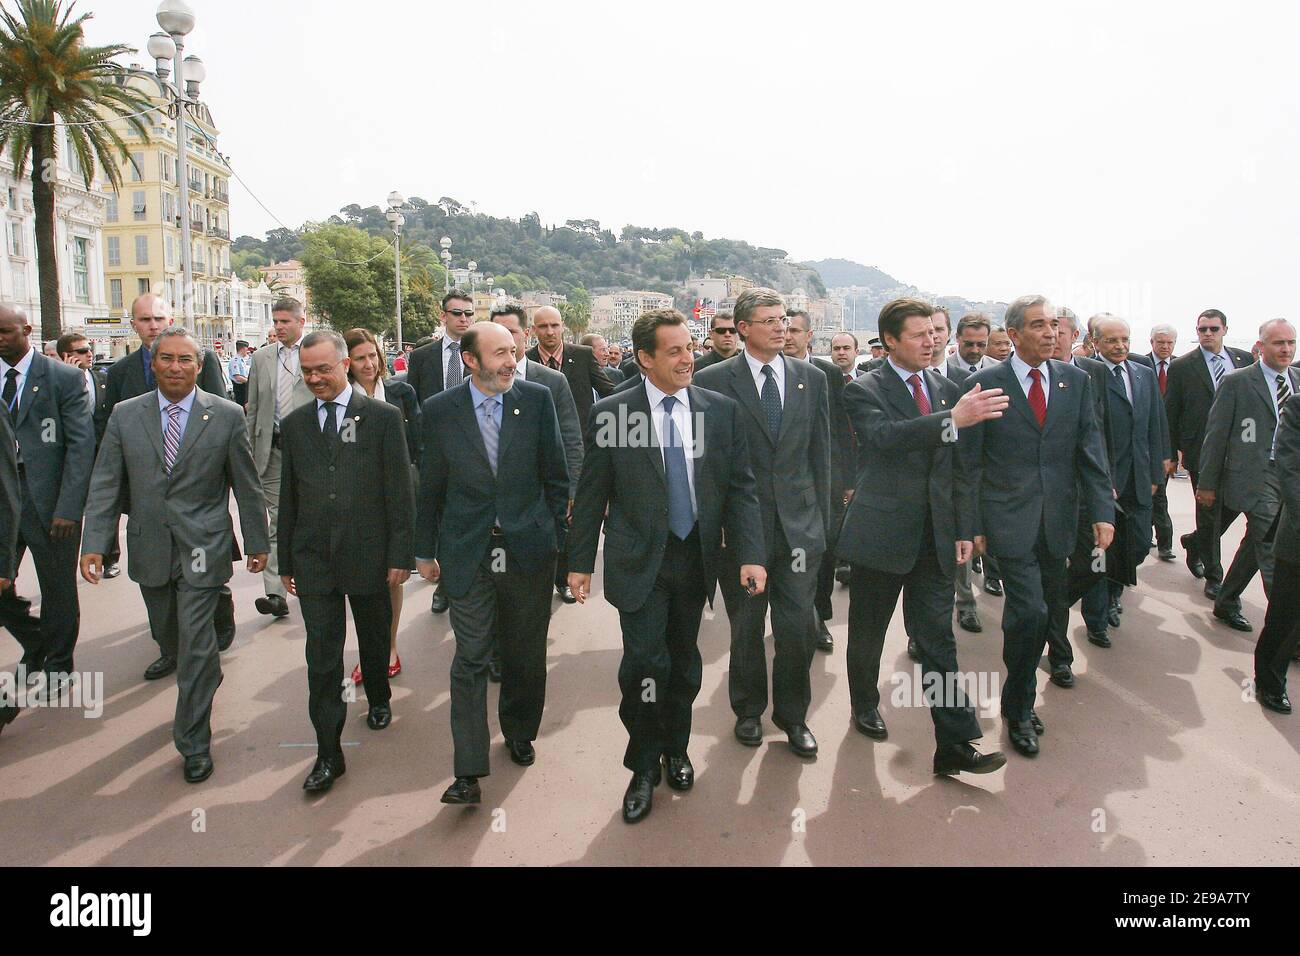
{"x":176,"y":17}
{"x":446,"y":256}
{"x":396,"y":199}
{"x":195,"y":71}
{"x":471,"y":265}
{"x":445,"y":242}
{"x":161,"y":47}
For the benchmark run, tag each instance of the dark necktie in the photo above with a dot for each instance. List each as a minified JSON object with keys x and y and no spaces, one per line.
{"x":918,"y":393}
{"x":770,"y":399}
{"x":331,"y":428}
{"x":974,"y":369}
{"x":1037,"y":397}
{"x":11,"y":388}
{"x":681,"y":516}
{"x":455,"y":367}
{"x":1283,"y":391}
{"x":553,"y":362}
{"x":146,"y":356}
{"x":1218,"y":371}
{"x":1119,"y":380}
{"x":1162,"y":376}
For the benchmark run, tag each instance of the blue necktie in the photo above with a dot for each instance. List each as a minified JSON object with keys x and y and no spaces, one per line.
{"x":681,"y":515}
{"x":147,"y":358}
{"x":491,"y":433}
{"x":771,"y":402}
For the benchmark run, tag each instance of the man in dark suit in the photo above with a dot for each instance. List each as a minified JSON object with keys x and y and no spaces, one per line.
{"x":130,"y":376}
{"x":1280,"y":638}
{"x":493,"y":495}
{"x":55,"y":435}
{"x":437,"y":366}
{"x":75,"y":349}
{"x":1136,"y":436}
{"x":1027,"y":471}
{"x":1193,"y":380}
{"x":669,"y":463}
{"x":798,"y":344}
{"x":1238,"y":470}
{"x":336,"y":452}
{"x":973,"y":331}
{"x":587,"y":380}
{"x":1163,"y":340}
{"x":600,"y":350}
{"x":908,"y":419}
{"x":726,"y":341}
{"x":170,"y":459}
{"x":11,"y":498}
{"x":788,"y":432}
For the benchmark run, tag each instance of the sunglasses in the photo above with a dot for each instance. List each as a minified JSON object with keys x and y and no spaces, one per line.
{"x":725,"y":331}
{"x":82,"y":351}
{"x":460,"y":312}
{"x":1203,"y":329}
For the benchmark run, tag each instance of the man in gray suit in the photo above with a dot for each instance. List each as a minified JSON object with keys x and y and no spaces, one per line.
{"x":1281,"y":635}
{"x":275,"y":388}
{"x":173,"y":456}
{"x":1237,"y":461}
{"x":55,"y":432}
{"x":972,"y":343}
{"x":787,"y":423}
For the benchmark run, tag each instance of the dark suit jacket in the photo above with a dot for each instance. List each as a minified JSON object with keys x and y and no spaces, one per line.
{"x":793,"y":473}
{"x":125,"y":379}
{"x":1239,"y":437}
{"x":402,"y":397}
{"x":100,"y":377}
{"x":1024,"y":479}
{"x":1149,"y":439}
{"x":626,"y":476}
{"x":630,"y":370}
{"x":58,"y":460}
{"x":460,"y":498}
{"x":709,"y":358}
{"x":345,"y":509}
{"x":908,"y":466}
{"x":1286,"y":543}
{"x":842,"y":464}
{"x":578,"y":363}
{"x":424,"y":371}
{"x":615,"y":375}
{"x":11,"y":507}
{"x":1189,"y":393}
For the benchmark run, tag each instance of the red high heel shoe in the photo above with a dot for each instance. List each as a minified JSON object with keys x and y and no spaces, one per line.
{"x":395,"y":669}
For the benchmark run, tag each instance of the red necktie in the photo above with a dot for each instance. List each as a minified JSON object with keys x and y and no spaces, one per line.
{"x":918,"y":393}
{"x":1164,"y":378}
{"x":1037,"y":397}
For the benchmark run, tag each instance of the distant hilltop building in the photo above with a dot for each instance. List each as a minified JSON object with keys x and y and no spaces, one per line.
{"x":617,"y":311}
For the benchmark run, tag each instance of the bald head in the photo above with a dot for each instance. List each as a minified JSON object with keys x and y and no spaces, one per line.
{"x":149,"y":316}
{"x":14,"y":331}
{"x":548,"y":326}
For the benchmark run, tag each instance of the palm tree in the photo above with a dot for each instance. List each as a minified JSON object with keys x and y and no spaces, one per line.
{"x":50,"y":77}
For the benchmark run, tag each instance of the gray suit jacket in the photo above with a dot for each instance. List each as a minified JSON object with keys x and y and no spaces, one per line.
{"x":261,"y":401}
{"x":566,"y":410}
{"x":793,"y":473}
{"x":55,"y":430}
{"x":1286,"y":545}
{"x":191,"y":509}
{"x":1239,"y":437}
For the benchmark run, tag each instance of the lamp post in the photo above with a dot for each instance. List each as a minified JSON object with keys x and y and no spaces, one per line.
{"x":445,"y":255}
{"x":395,"y":219}
{"x":177,"y":21}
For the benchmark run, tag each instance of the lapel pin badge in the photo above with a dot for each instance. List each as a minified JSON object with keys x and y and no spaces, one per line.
{"x":1060,"y":385}
{"x":516,"y":411}
{"x":801,"y":384}
{"x":205,"y":418}
{"x":36,"y":388}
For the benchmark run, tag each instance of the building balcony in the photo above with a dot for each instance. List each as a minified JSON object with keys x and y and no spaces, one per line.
{"x":219,"y":233}
{"x":221,"y":196}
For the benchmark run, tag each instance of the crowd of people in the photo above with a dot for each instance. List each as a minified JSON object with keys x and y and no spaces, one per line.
{"x":1035,"y":454}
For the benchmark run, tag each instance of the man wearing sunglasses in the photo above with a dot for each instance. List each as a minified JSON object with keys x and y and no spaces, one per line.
{"x":1194,"y":380}
{"x":75,"y":350}
{"x":726,"y":342}
{"x":436,"y":367}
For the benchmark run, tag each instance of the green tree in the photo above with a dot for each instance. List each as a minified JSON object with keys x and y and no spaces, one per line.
{"x":577,"y":316}
{"x":336,"y":264}
{"x":49,"y":77}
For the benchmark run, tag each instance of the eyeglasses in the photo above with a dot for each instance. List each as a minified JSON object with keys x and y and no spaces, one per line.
{"x":1203,"y":329}
{"x":83,"y":351}
{"x":462,"y":313}
{"x":773,"y":323}
{"x":731,"y":331}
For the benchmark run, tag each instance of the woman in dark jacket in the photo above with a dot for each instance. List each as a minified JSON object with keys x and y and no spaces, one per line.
{"x":368,"y":372}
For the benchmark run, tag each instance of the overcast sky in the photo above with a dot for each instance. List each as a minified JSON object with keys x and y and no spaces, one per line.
{"x":1140,"y":158}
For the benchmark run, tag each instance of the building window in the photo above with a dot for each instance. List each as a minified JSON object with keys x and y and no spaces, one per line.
{"x":115,"y":293}
{"x":114,"y":251}
{"x":141,"y":286}
{"x":142,"y":250}
{"x":80,"y":269}
{"x":110,"y":212}
{"x":137,"y":205}
{"x":15,"y":238}
{"x":170,"y":250}
{"x":20,"y":285}
{"x":137,"y":167}
{"x":169,"y":208}
{"x":164,"y":164}
{"x":74,"y":160}
{"x":13,"y":198}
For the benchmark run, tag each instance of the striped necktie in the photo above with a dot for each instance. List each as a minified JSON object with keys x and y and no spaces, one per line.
{"x":1218,"y":371}
{"x":171,"y":438}
{"x":1283,"y":391}
{"x":455,"y":367}
{"x":491,"y":432}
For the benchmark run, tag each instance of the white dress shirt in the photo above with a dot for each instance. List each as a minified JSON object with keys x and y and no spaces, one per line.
{"x":24,"y":366}
{"x":682,"y":419}
{"x":341,"y":407}
{"x":1022,"y":368}
{"x":90,"y":385}
{"x":380,"y":395}
{"x":778,"y":370}
{"x":521,"y":370}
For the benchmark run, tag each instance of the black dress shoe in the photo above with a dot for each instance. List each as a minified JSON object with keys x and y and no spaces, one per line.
{"x":1213,"y":590}
{"x":679,"y":771}
{"x":969,"y":621}
{"x":1036,"y":723}
{"x":640,"y":795}
{"x":566,"y":595}
{"x":1233,"y":619}
{"x":1167,"y":554}
{"x":977,"y":564}
{"x":912,"y":650}
{"x":521,"y":752}
{"x":955,"y":758}
{"x":494,"y":670}
{"x":1023,"y":737}
{"x":1194,"y":562}
{"x":8,"y":713}
{"x":198,"y":767}
{"x":823,"y":638}
{"x":993,"y":586}
{"x":1100,"y":638}
{"x":1062,"y":675}
{"x":802,"y":742}
{"x":323,"y":773}
{"x":12,"y":599}
{"x":379,"y":716}
{"x":749,"y":731}
{"x":439,"y":604}
{"x":871,"y":724}
{"x":160,"y":668}
{"x":1278,"y":702}
{"x":463,"y":790}
{"x":224,"y":621}
{"x":272,"y":604}
{"x":111,"y":571}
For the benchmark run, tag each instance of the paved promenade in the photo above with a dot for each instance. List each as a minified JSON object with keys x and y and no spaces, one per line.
{"x":1153,"y":757}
